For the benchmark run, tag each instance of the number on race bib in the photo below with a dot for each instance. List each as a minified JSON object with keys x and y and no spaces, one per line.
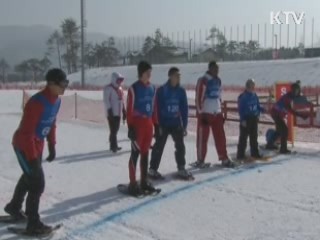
{"x":148,"y":107}
{"x":173,"y":108}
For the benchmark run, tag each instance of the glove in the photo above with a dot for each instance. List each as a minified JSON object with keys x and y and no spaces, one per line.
{"x":131,"y":134}
{"x":110,"y":113}
{"x":157,"y":131}
{"x":243,"y":123}
{"x":304,"y":116}
{"x":185,"y":132}
{"x":52,"y":153}
{"x":124,"y":116}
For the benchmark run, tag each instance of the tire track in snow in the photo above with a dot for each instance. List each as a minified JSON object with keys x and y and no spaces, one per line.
{"x":101,"y":225}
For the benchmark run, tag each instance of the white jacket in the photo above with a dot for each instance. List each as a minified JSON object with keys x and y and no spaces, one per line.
{"x":113,"y":96}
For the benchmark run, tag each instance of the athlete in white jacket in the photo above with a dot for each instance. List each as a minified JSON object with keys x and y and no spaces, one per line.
{"x":114,"y":108}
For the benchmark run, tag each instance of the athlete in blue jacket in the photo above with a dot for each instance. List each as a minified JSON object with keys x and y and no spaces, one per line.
{"x":172,"y":113}
{"x":249,"y":110}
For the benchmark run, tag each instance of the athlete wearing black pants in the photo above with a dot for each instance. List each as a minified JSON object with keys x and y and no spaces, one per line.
{"x":249,"y":110}
{"x":172,"y":113}
{"x":279,"y":112}
{"x":161,"y":136}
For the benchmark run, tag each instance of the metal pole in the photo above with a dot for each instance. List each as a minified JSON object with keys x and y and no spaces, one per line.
{"x":272,"y":36}
{"x":295,"y":34}
{"x":265,"y":35}
{"x":194,"y":41}
{"x":259,"y":34}
{"x":288,"y":36}
{"x":280,"y":36}
{"x":312,"y":33}
{"x":82,"y":44}
{"x":304,"y":33}
{"x":238,"y":33}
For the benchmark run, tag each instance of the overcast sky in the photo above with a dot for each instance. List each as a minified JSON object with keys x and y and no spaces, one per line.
{"x":141,"y":17}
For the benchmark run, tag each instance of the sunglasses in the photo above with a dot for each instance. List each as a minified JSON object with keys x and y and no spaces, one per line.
{"x":63,"y":84}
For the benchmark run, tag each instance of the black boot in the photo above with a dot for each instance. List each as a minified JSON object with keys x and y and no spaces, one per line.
{"x":15,"y":213}
{"x":285,"y":151}
{"x":134,"y":189}
{"x":36,"y":227}
{"x":147,"y":187}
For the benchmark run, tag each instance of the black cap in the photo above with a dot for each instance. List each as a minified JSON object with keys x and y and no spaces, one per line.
{"x":212,"y":64}
{"x":143,"y":66}
{"x":295,"y":86}
{"x":56,"y":75}
{"x":172,"y":71}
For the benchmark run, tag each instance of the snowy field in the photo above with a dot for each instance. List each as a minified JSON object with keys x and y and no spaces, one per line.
{"x":278,"y":200}
{"x":266,"y":73}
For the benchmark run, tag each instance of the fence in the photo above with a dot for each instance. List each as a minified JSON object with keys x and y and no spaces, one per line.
{"x":267,"y":35}
{"x":88,"y":106}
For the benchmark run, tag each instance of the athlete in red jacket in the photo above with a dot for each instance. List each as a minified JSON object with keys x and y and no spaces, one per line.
{"x":141,"y":117}
{"x":210,"y":117}
{"x":37,"y":124}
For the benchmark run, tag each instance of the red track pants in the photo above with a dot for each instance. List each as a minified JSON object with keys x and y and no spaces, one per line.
{"x":216,"y":124}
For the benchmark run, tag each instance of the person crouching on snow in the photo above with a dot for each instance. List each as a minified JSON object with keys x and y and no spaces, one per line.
{"x":279,"y":112}
{"x":114,"y":107}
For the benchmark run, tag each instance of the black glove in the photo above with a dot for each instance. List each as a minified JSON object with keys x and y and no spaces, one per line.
{"x":124,"y":116}
{"x":302,"y":115}
{"x":157,"y":131}
{"x":110,"y":113}
{"x":243,"y":123}
{"x":185,"y":132}
{"x":131,"y":134}
{"x":52,"y":152}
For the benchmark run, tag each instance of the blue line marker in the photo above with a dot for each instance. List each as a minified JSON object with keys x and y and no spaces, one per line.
{"x":101,"y":224}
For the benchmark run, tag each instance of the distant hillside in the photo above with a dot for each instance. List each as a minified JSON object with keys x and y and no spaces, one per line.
{"x":18,"y":43}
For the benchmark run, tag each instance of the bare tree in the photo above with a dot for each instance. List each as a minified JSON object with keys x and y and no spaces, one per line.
{"x":4,"y":67}
{"x":23,"y":68}
{"x":55,"y":42}
{"x":70,"y":32}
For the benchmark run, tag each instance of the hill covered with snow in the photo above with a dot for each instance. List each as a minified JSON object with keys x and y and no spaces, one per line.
{"x":266,"y":73}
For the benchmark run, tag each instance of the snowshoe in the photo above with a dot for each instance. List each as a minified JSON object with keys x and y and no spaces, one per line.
{"x":148,"y":189}
{"x":285,"y":151}
{"x":185,"y":175}
{"x":200,"y":165}
{"x":155,"y":175}
{"x":228,"y":163}
{"x":14,"y":215}
{"x":40,"y":232}
{"x":130,"y":190}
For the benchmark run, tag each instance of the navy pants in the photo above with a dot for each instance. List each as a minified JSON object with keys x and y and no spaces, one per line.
{"x":31,"y":182}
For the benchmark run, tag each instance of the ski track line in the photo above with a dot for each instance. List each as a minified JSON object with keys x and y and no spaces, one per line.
{"x":101,"y":224}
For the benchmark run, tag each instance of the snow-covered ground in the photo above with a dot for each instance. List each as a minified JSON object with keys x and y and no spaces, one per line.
{"x":278,"y":200}
{"x":266,"y":73}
